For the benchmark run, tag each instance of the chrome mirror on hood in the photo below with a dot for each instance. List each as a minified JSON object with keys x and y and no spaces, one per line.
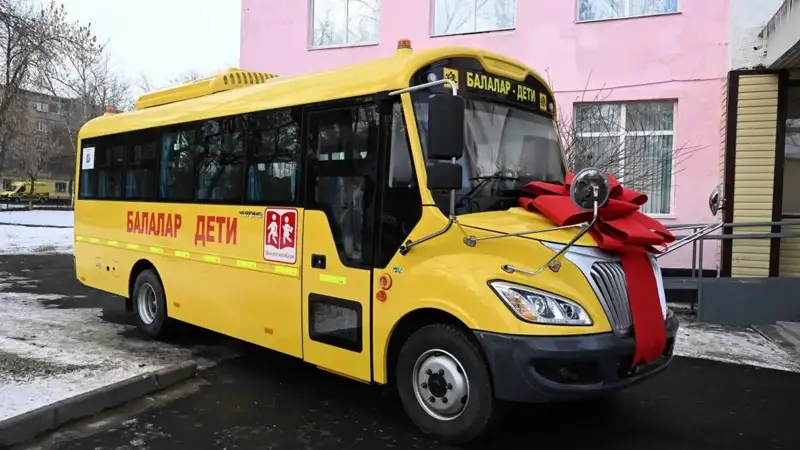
{"x":590,"y":189}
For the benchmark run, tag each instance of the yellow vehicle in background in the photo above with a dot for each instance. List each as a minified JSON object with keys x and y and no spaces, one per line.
{"x":364,"y":220}
{"x":43,"y":191}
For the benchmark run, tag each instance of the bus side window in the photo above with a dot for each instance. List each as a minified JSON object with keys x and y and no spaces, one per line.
{"x":177,"y":165}
{"x":109,"y":164}
{"x":401,"y":171}
{"x":342,"y":175}
{"x":221,"y":161}
{"x":87,"y":186}
{"x":401,"y":208}
{"x":140,"y":174}
{"x":273,"y":156}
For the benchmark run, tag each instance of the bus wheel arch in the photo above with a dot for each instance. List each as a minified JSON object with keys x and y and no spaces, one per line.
{"x":442,"y":377}
{"x":137,"y":268}
{"x":407,"y":325}
{"x":147,"y":300}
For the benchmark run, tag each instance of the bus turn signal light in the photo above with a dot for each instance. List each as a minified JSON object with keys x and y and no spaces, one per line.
{"x":403,"y":43}
{"x":381,"y":296}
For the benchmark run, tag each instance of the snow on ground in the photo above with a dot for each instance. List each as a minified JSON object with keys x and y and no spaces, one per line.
{"x":50,"y":354}
{"x":16,"y":240}
{"x":732,"y":345}
{"x":19,"y":240}
{"x":36,"y":217}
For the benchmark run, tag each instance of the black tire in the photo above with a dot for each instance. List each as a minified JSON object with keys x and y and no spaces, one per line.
{"x":161,"y":325}
{"x":482,"y":412}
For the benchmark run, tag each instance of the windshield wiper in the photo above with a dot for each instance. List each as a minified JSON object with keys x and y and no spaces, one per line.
{"x":484,"y":181}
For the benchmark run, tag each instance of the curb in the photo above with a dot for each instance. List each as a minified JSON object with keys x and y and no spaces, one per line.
{"x":27,"y":426}
{"x":29,"y":225}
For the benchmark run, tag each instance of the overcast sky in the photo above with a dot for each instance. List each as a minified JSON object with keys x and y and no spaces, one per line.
{"x":164,"y":38}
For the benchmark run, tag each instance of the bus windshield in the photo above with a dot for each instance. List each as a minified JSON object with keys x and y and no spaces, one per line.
{"x":505,"y":148}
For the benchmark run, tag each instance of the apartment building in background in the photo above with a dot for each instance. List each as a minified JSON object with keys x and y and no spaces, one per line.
{"x":655,"y":68}
{"x":42,"y":113}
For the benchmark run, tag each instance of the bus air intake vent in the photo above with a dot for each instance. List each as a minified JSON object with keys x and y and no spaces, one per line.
{"x":612,"y":289}
{"x":225,"y":81}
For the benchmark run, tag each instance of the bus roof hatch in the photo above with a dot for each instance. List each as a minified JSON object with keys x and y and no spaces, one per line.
{"x":225,"y":81}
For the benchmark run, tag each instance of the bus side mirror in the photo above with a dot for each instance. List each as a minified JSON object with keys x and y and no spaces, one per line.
{"x":715,"y":201}
{"x":444,"y":176}
{"x":445,"y":127}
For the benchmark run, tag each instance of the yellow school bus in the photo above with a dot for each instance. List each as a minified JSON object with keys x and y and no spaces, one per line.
{"x":364,"y":219}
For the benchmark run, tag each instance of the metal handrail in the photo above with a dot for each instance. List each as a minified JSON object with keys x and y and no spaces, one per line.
{"x":740,"y":224}
{"x":700,"y":237}
{"x":723,"y":237}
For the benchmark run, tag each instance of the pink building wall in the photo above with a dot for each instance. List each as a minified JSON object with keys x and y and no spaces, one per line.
{"x":680,"y":57}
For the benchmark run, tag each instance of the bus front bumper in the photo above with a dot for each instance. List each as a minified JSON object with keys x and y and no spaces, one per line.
{"x":537,"y":369}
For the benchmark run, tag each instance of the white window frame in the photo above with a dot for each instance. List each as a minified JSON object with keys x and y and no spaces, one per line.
{"x":623,"y":133}
{"x":433,"y":33}
{"x":627,"y":15}
{"x":43,"y":107}
{"x":311,"y":22}
{"x":42,"y":127}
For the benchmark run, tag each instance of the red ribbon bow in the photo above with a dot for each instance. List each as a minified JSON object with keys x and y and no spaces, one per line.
{"x":621,"y":228}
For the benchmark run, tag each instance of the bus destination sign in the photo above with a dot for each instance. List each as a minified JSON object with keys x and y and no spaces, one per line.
{"x":531,"y":95}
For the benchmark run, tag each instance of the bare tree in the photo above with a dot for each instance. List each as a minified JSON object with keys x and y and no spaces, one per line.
{"x":87,"y":86}
{"x":359,"y":21}
{"x":31,"y":150}
{"x":33,"y":40}
{"x":10,"y":124}
{"x":504,"y":13}
{"x":608,"y":9}
{"x":324,"y":31}
{"x":637,"y":149}
{"x":459,"y":16}
{"x":363,"y":20}
{"x":144,"y":83}
{"x":451,"y":15}
{"x":600,"y":9}
{"x":191,"y":75}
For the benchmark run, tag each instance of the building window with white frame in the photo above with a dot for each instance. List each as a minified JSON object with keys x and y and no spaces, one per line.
{"x":42,"y":127}
{"x":473,"y":16}
{"x":41,"y":106}
{"x":620,"y":9}
{"x":345,"y":22}
{"x":633,"y":141}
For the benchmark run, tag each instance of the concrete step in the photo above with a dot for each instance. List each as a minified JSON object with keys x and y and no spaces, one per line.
{"x":781,"y":336}
{"x":676,"y":283}
{"x":790,"y":328}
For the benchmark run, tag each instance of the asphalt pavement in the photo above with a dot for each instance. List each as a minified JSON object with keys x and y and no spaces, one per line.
{"x":263,"y":400}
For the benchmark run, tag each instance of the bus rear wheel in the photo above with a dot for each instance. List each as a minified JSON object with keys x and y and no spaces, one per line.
{"x":445,"y":386}
{"x":150,"y":305}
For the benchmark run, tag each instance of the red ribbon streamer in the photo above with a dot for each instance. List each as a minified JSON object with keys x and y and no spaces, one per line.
{"x":621,"y":228}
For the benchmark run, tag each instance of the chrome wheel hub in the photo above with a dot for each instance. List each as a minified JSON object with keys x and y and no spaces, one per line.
{"x":146,"y":304}
{"x":441,"y":384}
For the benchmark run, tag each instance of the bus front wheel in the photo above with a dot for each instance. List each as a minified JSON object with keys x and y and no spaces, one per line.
{"x":444,"y":385}
{"x":150,"y":304}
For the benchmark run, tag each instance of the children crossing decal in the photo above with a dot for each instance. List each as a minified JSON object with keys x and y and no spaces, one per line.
{"x":280,"y":235}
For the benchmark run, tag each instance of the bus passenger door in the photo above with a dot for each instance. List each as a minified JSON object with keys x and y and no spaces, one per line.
{"x":338,"y":232}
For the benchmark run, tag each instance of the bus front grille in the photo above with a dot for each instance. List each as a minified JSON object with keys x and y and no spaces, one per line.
{"x":613,"y":291}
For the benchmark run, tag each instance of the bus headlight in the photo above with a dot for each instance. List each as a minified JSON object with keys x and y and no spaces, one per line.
{"x":540,"y":307}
